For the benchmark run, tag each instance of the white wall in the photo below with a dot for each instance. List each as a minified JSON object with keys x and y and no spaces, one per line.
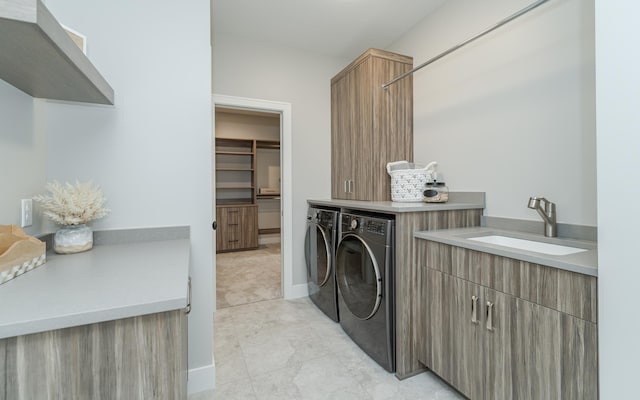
{"x":260,"y":71}
{"x":151,"y":152}
{"x":618,"y":89}
{"x":22,"y":155}
{"x":512,"y":114}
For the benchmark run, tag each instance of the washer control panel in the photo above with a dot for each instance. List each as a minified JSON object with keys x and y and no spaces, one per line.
{"x":362,"y":224}
{"x":377,"y":227}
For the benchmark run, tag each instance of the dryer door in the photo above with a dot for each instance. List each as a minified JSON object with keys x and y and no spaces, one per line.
{"x":317,"y":255}
{"x":358,"y":276}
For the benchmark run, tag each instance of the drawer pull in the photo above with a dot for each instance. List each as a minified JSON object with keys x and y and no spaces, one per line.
{"x":233,"y":224}
{"x":233,"y":241}
{"x":490,"y":326}
{"x":187,"y":310}
{"x":474,"y":309}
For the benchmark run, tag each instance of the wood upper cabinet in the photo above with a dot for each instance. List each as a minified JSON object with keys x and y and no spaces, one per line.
{"x":370,"y":126}
{"x":489,"y":344}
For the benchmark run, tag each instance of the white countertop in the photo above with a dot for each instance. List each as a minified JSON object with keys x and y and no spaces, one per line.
{"x":111,"y":281}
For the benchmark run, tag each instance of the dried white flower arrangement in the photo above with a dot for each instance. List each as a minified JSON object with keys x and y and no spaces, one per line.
{"x":72,"y":204}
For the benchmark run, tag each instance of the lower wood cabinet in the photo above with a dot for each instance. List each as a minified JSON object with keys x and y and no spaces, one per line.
{"x":237,"y":227}
{"x":489,"y":344}
{"x":135,"y":358}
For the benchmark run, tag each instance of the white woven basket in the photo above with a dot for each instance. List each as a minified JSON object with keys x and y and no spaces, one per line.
{"x":408,"y":180}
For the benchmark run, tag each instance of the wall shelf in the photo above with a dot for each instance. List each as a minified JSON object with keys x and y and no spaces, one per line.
{"x":268,"y":197}
{"x":234,"y":153}
{"x":268,"y":144}
{"x":38,"y":57}
{"x":269,"y":231}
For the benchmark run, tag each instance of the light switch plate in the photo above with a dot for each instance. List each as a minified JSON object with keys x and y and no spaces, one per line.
{"x":27,"y":213}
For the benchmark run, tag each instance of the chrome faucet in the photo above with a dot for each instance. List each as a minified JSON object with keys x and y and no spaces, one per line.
{"x":548,"y":215}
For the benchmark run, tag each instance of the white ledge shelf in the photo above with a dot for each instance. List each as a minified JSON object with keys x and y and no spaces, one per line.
{"x":38,"y":57}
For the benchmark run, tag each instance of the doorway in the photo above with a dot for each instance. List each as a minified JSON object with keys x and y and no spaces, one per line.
{"x":252,"y":191}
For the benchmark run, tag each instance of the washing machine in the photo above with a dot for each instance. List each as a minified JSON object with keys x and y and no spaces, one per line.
{"x":365,"y":276}
{"x":319,"y":251}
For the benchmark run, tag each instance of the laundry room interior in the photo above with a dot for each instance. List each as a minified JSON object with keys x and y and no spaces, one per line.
{"x":337,"y":199}
{"x":247,"y":194}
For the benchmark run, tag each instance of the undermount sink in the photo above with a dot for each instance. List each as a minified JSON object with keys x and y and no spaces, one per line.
{"x":529,"y":245}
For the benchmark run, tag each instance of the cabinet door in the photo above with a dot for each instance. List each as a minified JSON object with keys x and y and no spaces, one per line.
{"x":535,"y":352}
{"x":392,"y":122}
{"x":579,"y":358}
{"x":143,"y":357}
{"x":362,"y":146}
{"x":495,"y":362}
{"x":340,"y":138}
{"x":452,"y":336}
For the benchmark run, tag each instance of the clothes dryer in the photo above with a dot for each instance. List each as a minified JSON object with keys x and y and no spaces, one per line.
{"x":319,"y":251}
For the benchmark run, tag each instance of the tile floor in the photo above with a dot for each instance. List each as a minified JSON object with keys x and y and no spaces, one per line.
{"x":288,"y":349}
{"x":248,"y":276}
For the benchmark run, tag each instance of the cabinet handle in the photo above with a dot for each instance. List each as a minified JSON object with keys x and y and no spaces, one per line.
{"x":346,"y":190}
{"x":187,"y":310}
{"x":233,"y":224}
{"x":474,"y":309}
{"x":233,"y":241}
{"x":350,"y":186}
{"x":490,"y":326}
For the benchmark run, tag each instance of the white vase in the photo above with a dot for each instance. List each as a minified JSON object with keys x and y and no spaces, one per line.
{"x":73,"y":239}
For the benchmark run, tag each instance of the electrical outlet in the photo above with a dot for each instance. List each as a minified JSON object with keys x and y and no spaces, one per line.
{"x":27,"y":212}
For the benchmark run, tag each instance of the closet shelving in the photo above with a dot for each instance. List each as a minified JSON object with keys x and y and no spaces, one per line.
{"x":237,"y":194}
{"x":235,"y":171}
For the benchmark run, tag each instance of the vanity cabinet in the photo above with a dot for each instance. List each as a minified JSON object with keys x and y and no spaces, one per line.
{"x":370,"y":126}
{"x":499,"y":328}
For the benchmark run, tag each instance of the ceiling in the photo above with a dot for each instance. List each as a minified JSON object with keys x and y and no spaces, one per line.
{"x":339,"y":28}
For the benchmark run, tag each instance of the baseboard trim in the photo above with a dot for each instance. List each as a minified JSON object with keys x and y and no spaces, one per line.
{"x":296,"y":291}
{"x":201,"y":379}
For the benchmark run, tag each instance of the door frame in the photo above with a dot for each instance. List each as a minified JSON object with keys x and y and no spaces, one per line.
{"x":286,"y":172}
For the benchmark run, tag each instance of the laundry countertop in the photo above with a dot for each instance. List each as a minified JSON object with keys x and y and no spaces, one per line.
{"x":457,"y":201}
{"x":134,"y":275}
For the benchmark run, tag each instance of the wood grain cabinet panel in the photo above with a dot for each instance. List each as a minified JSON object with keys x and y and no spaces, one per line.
{"x":134,"y":358}
{"x":237,"y":227}
{"x":538,"y":344}
{"x":370,"y":126}
{"x":409,"y":317}
{"x":340,"y":138}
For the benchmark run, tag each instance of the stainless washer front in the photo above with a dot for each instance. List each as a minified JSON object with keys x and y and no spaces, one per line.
{"x":365,"y":278}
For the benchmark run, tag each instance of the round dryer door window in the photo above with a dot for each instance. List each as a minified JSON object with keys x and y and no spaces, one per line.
{"x":317,"y":255}
{"x":358,"y":277}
